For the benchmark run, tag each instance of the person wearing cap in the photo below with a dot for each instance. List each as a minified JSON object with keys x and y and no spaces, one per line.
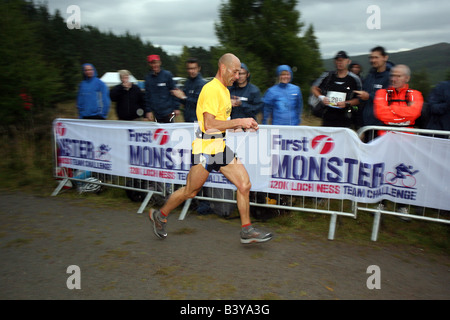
{"x":160,"y":104}
{"x":245,"y":96}
{"x":336,"y":90}
{"x":283,"y":102}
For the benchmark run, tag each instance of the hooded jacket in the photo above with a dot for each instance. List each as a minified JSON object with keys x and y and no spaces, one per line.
{"x":250,"y":97}
{"x":374,"y":81}
{"x":93,"y":97}
{"x":283,"y":102}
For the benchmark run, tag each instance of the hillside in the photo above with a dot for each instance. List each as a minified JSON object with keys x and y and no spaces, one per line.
{"x":433,"y":59}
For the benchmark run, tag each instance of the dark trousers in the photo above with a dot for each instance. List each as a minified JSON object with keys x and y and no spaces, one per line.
{"x":166,"y":119}
{"x":94,"y":117}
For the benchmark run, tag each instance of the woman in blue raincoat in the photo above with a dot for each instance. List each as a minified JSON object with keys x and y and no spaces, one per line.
{"x":283,"y":102}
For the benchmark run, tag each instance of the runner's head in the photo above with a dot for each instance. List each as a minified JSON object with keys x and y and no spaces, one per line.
{"x":229,"y":67}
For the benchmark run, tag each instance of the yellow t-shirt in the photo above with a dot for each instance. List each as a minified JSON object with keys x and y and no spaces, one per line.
{"x":214,"y":99}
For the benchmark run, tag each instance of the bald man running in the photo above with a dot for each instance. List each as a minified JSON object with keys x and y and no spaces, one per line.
{"x":209,"y":152}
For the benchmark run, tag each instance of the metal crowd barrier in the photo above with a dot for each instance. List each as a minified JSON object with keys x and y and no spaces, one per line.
{"x":392,"y":208}
{"x":281,"y":202}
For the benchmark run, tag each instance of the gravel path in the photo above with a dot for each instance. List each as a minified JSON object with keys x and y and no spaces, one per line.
{"x":119,"y":258}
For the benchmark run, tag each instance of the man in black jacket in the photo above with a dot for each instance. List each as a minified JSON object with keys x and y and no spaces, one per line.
{"x":192,"y":88}
{"x":439,"y":107}
{"x":128,"y":97}
{"x":378,"y":78}
{"x":245,"y":96}
{"x":336,"y":91}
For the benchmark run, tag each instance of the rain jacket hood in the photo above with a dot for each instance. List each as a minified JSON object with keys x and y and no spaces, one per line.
{"x":285,"y":68}
{"x":91,"y":65}
{"x":250,"y":97}
{"x":244,"y":66}
{"x":93,"y":96}
{"x":283,"y":102}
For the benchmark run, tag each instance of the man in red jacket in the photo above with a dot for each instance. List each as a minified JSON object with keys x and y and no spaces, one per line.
{"x":398,"y":106}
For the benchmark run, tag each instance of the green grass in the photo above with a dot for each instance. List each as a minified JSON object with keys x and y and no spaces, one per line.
{"x":430,"y":236}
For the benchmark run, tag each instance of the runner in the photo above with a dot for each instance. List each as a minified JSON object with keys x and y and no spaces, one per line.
{"x":209,"y":152}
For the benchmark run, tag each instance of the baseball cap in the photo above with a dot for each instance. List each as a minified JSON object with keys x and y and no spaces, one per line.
{"x":152,"y":57}
{"x":341,"y":54}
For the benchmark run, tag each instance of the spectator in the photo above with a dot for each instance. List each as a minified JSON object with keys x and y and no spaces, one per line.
{"x":356,"y":69}
{"x":336,"y":91}
{"x":283,"y":102}
{"x":245,"y":96}
{"x":378,"y":78}
{"x":129,"y":98}
{"x":439,"y":107}
{"x":398,"y":105}
{"x":93,"y":95}
{"x":191,"y":90}
{"x":160,"y":103}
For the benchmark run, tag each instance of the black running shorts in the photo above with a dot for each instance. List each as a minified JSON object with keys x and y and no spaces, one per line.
{"x":213,"y":161}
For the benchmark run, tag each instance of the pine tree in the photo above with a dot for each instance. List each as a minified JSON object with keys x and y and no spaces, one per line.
{"x":30,"y":84}
{"x":268,"y":32}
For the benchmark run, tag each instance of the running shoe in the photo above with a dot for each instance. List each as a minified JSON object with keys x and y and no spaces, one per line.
{"x":159,"y":225}
{"x":252,"y":235}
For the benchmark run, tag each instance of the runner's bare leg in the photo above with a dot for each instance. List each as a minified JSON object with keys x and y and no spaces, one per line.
{"x":195,"y":180}
{"x":237,"y":174}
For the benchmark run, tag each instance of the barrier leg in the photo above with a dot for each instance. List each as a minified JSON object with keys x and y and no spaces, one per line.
{"x":59,"y":187}
{"x":145,"y":202}
{"x":376,"y":225}
{"x":355,"y":208}
{"x":332,"y":227}
{"x":185,"y":209}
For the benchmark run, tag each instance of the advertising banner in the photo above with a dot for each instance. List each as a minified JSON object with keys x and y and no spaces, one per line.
{"x":293,"y":160}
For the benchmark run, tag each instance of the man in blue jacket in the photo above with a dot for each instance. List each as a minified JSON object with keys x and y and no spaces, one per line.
{"x":283,"y":102}
{"x":93,"y":95}
{"x":159,"y":101}
{"x":192,"y":88}
{"x":245,"y":96}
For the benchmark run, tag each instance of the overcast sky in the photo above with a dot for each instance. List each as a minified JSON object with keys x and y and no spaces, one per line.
{"x":339,"y":25}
